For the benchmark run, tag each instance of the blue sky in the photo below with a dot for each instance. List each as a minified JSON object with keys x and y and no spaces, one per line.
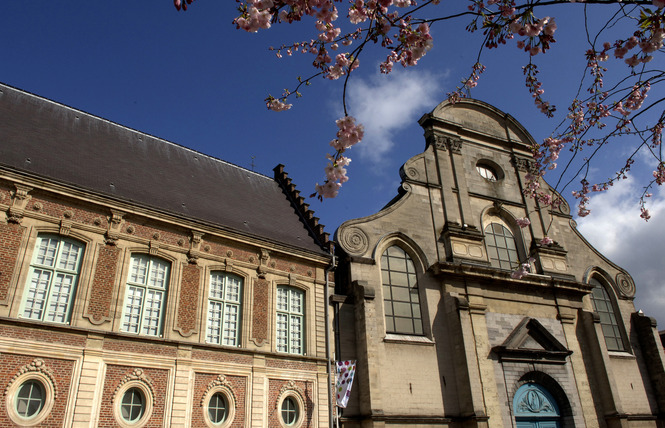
{"x":193,"y":79}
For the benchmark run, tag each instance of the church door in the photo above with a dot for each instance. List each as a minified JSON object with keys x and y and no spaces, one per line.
{"x":534,"y":407}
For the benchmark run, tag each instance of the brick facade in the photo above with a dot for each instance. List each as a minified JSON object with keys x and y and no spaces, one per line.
{"x":101,"y":293}
{"x":91,"y":356}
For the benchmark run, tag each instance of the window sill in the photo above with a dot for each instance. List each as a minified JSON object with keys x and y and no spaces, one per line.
{"x":621,"y":354}
{"x":407,"y":339}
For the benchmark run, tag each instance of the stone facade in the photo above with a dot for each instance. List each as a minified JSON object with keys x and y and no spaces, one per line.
{"x":445,"y":336}
{"x":79,"y":331}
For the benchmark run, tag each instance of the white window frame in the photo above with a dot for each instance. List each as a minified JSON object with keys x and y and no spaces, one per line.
{"x":147,"y":405}
{"x":290,"y":320}
{"x":147,"y":285}
{"x":51,"y":266}
{"x":224,"y":309}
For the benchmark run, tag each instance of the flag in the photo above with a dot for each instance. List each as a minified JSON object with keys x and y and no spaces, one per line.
{"x":346,"y":370}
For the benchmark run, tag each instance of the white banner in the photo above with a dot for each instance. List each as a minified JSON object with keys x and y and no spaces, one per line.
{"x":346,"y":370}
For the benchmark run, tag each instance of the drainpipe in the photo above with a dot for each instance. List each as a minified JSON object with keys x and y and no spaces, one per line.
{"x":328,"y":355}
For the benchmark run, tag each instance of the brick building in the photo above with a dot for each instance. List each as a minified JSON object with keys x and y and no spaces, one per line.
{"x":445,"y":337}
{"x":143,"y":284}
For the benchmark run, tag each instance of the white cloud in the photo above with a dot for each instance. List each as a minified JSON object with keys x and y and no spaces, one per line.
{"x":615,"y":228}
{"x":385,"y":104}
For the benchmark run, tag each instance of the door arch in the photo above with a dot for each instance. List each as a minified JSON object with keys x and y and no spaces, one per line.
{"x":535,"y":407}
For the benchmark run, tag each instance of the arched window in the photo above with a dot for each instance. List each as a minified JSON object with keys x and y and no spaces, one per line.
{"x":501,"y":246}
{"x":604,"y":307}
{"x":401,"y":301}
{"x":145,"y":296}
{"x":224,"y":304}
{"x":54,"y":273}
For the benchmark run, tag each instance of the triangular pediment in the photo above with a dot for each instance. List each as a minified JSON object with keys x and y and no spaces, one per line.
{"x":531,"y":341}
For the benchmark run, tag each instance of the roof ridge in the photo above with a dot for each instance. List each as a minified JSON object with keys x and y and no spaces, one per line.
{"x":119,"y":125}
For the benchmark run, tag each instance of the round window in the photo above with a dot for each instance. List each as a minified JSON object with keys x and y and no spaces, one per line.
{"x":217,"y":408}
{"x":133,"y":405}
{"x":487,"y":172}
{"x":30,"y":399}
{"x":289,"y":411}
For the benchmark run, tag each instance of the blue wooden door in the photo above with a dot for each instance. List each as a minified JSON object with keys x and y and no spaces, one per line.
{"x":534,"y":407}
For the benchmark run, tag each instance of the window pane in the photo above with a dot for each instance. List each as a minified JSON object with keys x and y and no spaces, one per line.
{"x":30,"y":399}
{"x":400,"y":292}
{"x":501,"y":246}
{"x":134,"y":301}
{"x":290,"y":321}
{"x":132,"y":406}
{"x":604,"y":307}
{"x":217,"y":408}
{"x":214,"y":322}
{"x":139,"y":270}
{"x":47,"y":251}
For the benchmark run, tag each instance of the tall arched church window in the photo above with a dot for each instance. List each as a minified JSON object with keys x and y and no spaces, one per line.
{"x":501,"y":246}
{"x":400,"y":293}
{"x":604,"y":307}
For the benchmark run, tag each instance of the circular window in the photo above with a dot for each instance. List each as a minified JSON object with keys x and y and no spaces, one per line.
{"x":30,"y":399}
{"x":133,"y":405}
{"x":289,"y":411}
{"x":487,"y":172}
{"x":217,"y":408}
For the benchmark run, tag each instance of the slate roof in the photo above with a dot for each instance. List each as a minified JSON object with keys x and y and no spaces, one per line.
{"x":56,"y":142}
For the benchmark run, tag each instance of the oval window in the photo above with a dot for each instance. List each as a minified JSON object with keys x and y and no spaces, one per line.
{"x":30,"y":399}
{"x":487,"y":172}
{"x":217,"y":408}
{"x":289,"y":411}
{"x":133,"y":405}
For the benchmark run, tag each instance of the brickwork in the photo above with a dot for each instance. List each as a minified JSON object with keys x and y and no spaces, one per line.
{"x":42,"y":335}
{"x":221,"y":357}
{"x":237,"y":253}
{"x":288,"y":265}
{"x":10,"y":242}
{"x":188,"y":299}
{"x":101,"y":292}
{"x":261,"y":316}
{"x":148,"y":231}
{"x":290,"y":364}
{"x":139,"y":347}
{"x":61,"y":370}
{"x":275,"y":390}
{"x":202,"y":382}
{"x":79,"y":214}
{"x":114,"y":377}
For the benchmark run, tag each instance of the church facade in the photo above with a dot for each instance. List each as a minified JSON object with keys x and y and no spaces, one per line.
{"x":445,"y":336}
{"x":143,"y":284}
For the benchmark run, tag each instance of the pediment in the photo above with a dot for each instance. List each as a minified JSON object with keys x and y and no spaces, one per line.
{"x":530,"y":341}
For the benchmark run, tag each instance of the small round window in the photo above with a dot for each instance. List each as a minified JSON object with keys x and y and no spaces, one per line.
{"x":217,"y":408}
{"x":289,"y":411}
{"x":30,"y":399}
{"x":487,"y":172}
{"x":132,"y":407}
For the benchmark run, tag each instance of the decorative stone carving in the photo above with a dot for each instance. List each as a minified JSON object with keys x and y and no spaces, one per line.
{"x":524,"y":164}
{"x":19,"y":202}
{"x":37,"y":365}
{"x":65,"y":227}
{"x":153,"y":248}
{"x":291,"y":387}
{"x":136,"y":375}
{"x":113,"y":231}
{"x":354,"y":240}
{"x":412,"y":173}
{"x":194,"y":247}
{"x":222,"y":382}
{"x":68,"y":214}
{"x":625,"y":284}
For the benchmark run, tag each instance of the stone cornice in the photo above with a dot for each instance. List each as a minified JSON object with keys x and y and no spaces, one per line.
{"x":129,"y":207}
